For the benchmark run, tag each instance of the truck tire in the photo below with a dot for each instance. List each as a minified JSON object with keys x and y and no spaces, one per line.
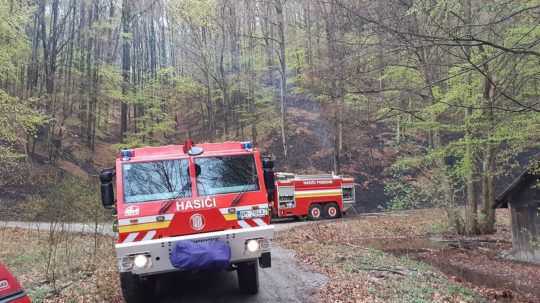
{"x":315,"y":212}
{"x":135,"y":289}
{"x":331,"y":211}
{"x":248,"y":277}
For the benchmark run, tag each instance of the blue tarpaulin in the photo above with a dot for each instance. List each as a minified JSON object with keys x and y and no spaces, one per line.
{"x":206,"y":255}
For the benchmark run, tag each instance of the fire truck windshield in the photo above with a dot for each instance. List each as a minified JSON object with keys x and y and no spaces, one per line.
{"x":226,"y":174}
{"x":156,"y":180}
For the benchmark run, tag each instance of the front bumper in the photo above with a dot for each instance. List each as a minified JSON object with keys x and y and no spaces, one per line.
{"x":17,"y":297}
{"x":159,"y":250}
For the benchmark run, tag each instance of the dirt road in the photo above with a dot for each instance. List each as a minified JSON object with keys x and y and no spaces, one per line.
{"x":285,"y":281}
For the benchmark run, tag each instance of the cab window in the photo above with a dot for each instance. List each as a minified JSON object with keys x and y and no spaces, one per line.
{"x":156,"y":180}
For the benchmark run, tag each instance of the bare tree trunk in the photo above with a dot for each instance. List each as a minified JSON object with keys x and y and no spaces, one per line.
{"x":251,"y":28}
{"x":33,"y":72}
{"x":126,"y":65}
{"x":489,"y":163}
{"x":309,"y":41}
{"x":471,"y":216}
{"x":336,"y":85}
{"x":279,"y":4}
{"x":268,"y":36}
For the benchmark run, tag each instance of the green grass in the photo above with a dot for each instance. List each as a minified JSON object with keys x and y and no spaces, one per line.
{"x":39,"y":293}
{"x":396,"y":279}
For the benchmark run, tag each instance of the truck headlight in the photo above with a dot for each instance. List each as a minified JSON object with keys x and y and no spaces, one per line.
{"x":141,"y":261}
{"x":252,"y":245}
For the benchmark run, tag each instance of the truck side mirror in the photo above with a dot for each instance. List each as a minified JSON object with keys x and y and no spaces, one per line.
{"x":107,"y":191}
{"x":267,"y":162}
{"x":269,"y":177}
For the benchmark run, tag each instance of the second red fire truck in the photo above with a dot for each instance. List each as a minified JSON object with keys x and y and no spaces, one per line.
{"x":313,"y":196}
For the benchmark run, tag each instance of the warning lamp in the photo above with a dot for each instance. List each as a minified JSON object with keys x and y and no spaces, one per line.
{"x":190,"y":148}
{"x":126,"y":154}
{"x":247,"y":145}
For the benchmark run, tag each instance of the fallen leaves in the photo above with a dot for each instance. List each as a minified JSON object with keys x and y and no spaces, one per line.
{"x":352,"y":253}
{"x":62,"y":267}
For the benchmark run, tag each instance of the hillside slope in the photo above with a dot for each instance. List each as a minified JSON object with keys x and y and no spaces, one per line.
{"x":311,"y":139}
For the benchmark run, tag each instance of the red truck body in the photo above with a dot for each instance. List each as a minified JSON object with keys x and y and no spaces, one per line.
{"x":10,"y":289}
{"x":314,"y":196}
{"x":214,"y":208}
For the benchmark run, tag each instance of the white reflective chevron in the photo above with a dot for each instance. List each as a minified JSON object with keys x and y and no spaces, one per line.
{"x":149,"y":235}
{"x":243,"y":224}
{"x":131,"y":237}
{"x":259,"y":222}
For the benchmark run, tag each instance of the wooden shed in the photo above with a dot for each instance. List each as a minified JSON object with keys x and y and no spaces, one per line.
{"x":523,"y":199}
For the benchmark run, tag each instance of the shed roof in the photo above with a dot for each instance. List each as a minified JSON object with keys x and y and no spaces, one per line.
{"x":530,"y":174}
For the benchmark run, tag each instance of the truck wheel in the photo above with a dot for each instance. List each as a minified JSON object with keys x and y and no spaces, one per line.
{"x":135,"y":289}
{"x":248,"y":277}
{"x":331,"y":211}
{"x":314,"y":212}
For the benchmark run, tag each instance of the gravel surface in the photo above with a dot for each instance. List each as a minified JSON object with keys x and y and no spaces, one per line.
{"x":285,"y":281}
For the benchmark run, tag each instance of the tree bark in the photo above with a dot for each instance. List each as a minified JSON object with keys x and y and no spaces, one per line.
{"x":489,"y":161}
{"x":126,"y":65}
{"x":471,"y":216}
{"x":279,"y":5}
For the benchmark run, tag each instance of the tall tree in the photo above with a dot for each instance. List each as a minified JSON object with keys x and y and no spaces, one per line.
{"x":126,"y":65}
{"x":279,"y":6}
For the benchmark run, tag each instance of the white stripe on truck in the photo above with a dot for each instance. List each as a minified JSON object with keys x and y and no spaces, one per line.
{"x":131,"y":237}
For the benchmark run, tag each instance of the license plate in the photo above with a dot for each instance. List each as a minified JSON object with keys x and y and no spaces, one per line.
{"x":249,"y":214}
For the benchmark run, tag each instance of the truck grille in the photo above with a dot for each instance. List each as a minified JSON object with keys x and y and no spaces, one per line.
{"x":286,"y":202}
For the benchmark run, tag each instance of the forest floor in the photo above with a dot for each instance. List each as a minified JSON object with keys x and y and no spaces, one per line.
{"x":386,"y":257}
{"x":55,"y":265}
{"x":408,"y":257}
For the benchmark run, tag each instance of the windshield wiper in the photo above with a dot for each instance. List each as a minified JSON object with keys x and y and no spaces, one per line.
{"x":167,"y":204}
{"x":240,"y":194}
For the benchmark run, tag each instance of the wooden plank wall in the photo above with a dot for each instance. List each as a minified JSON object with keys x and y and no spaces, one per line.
{"x":525,"y":233}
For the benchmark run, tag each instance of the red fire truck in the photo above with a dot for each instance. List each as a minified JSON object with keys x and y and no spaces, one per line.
{"x":313,"y":196}
{"x":189,"y":208}
{"x":10,"y":289}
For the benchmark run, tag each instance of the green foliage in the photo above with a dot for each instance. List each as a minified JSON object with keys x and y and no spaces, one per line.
{"x":461,"y":107}
{"x":18,"y":122}
{"x":407,"y":192}
{"x":403,"y":76}
{"x":71,"y":200}
{"x":198,"y":12}
{"x":13,"y":46}
{"x":111,"y":82}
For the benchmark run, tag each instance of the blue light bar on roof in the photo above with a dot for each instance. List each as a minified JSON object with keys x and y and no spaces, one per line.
{"x":126,"y":154}
{"x":247,"y":145}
